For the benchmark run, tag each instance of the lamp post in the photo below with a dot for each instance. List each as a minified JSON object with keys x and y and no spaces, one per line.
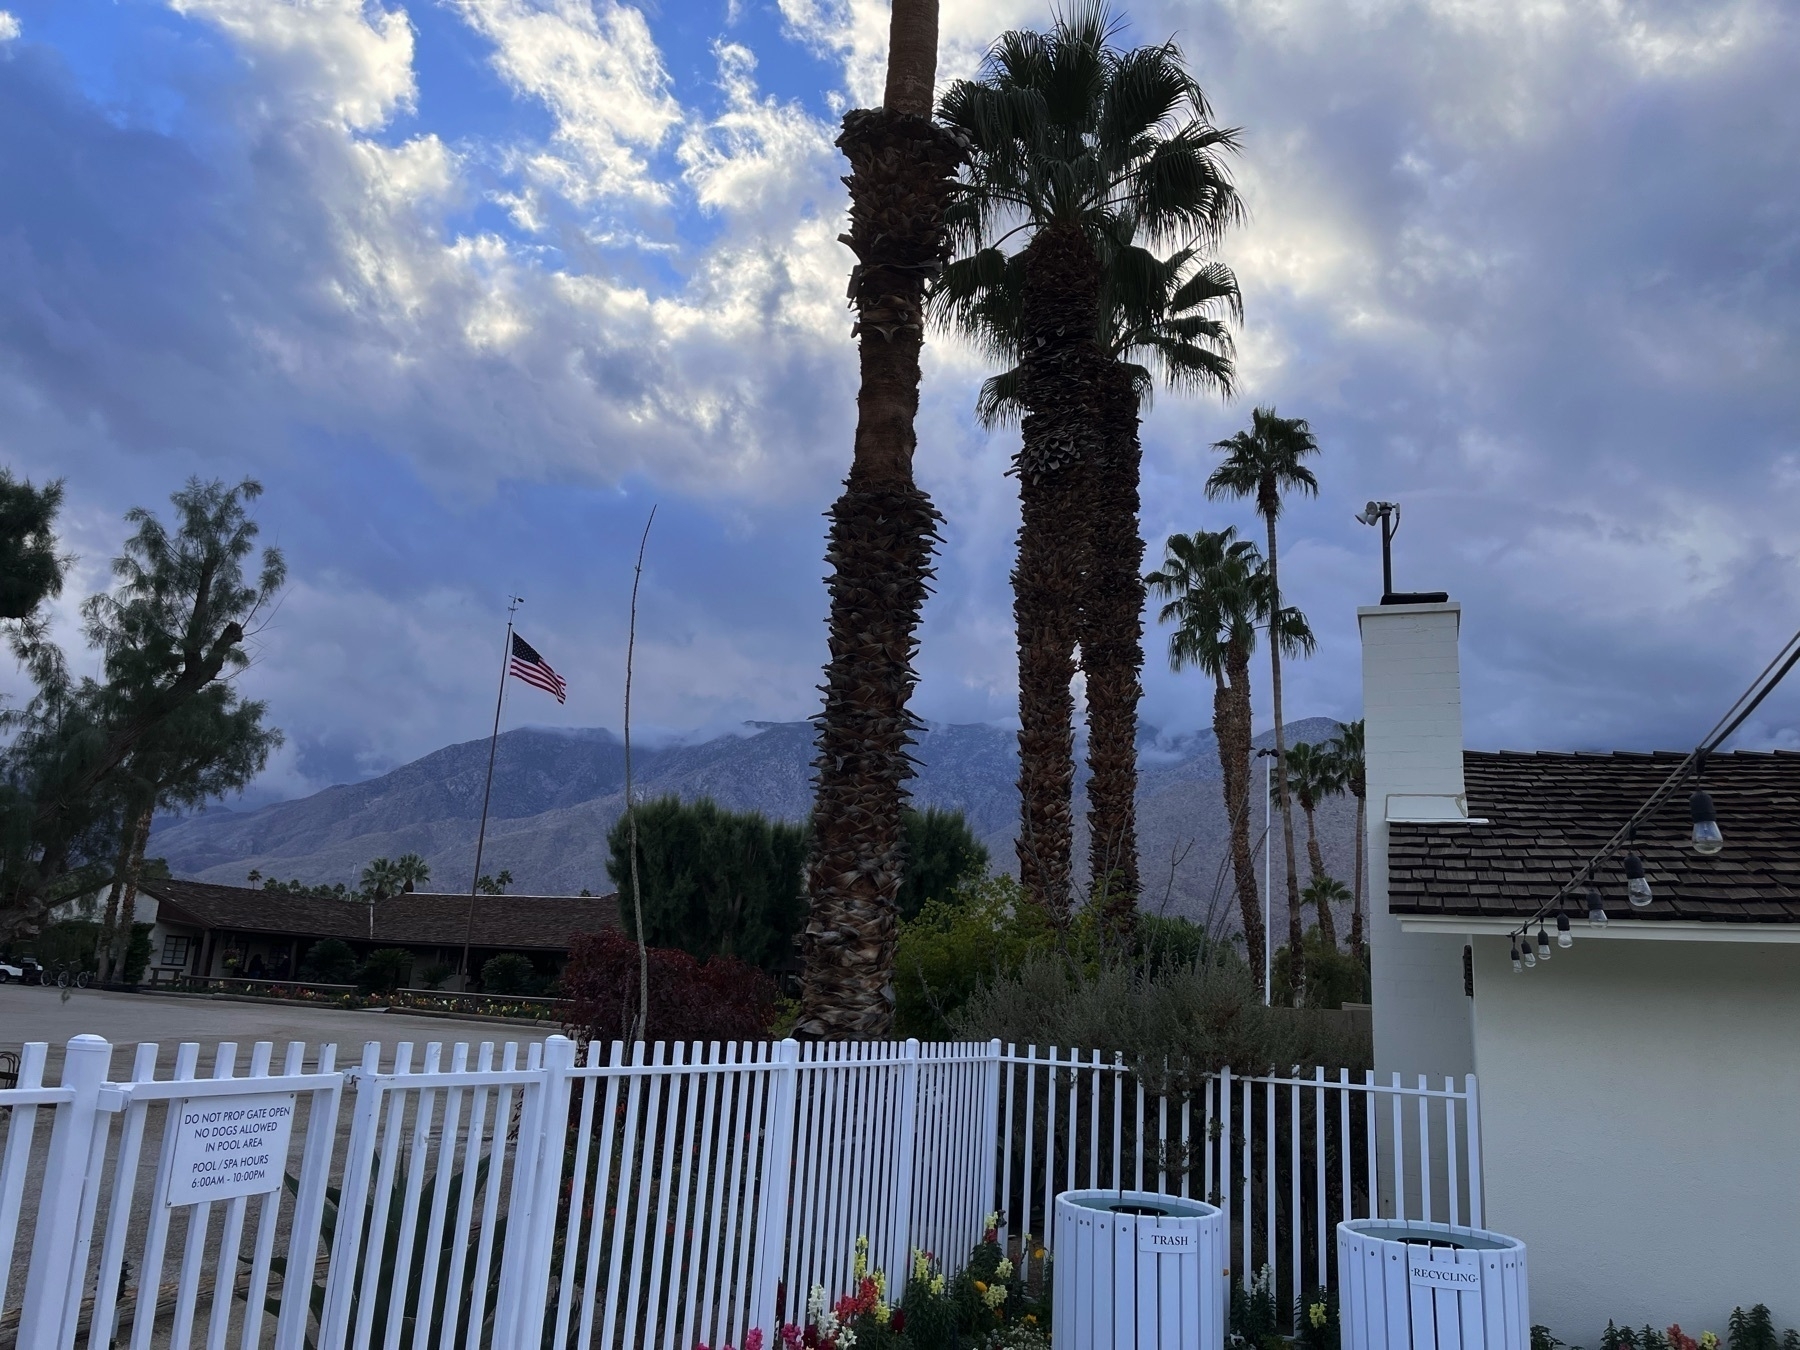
{"x":1268,"y":875}
{"x":1387,"y":515}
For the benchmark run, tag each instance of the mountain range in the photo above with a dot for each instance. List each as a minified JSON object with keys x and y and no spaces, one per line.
{"x":556,"y":794}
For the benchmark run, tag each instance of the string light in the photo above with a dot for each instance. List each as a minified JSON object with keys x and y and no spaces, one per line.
{"x":1529,"y":955}
{"x":1515,"y":955}
{"x":1564,"y":938}
{"x":1543,"y":944}
{"x":1637,"y":885}
{"x":1707,"y":837}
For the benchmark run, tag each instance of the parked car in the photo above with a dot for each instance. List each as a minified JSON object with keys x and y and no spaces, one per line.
{"x":25,"y":970}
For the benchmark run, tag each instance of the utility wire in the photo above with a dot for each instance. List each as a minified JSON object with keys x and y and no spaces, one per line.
{"x":1735,"y":716}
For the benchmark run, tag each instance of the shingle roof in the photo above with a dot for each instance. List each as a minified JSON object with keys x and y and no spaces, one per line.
{"x":520,"y":922}
{"x":1548,"y":813}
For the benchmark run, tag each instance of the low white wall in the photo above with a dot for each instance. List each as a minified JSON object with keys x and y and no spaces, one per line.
{"x":1640,"y":1106}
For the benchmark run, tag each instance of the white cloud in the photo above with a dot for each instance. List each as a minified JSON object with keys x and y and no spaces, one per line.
{"x":9,"y":26}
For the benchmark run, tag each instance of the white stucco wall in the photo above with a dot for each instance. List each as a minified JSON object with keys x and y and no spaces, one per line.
{"x":1640,"y":1107}
{"x":1412,"y":720}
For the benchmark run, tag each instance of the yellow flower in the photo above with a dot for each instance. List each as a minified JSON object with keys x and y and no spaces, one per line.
{"x":1003,"y":1269}
{"x":1031,"y":1318}
{"x":882,"y":1313}
{"x":937,"y":1284}
{"x":1316,"y":1314}
{"x":980,"y":1288}
{"x":1709,"y":1340}
{"x":993,"y":1296}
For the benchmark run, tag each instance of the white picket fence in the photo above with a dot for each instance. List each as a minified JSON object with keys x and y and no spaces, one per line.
{"x":654,"y":1196}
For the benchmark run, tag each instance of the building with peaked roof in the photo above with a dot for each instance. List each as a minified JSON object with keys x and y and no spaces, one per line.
{"x":1640,"y":1090}
{"x":203,"y":929}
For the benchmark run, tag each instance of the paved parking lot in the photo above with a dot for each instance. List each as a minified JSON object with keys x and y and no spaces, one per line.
{"x":32,"y":1013}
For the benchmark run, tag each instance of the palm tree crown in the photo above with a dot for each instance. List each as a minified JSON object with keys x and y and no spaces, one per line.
{"x":1265,"y":463}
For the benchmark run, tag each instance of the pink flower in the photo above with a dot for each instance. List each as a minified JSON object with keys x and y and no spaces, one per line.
{"x":753,"y":1339}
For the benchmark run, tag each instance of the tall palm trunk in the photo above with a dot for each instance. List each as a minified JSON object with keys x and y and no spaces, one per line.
{"x":1061,"y":373}
{"x":1356,"y":886}
{"x":1112,"y":653}
{"x":1231,"y":727}
{"x":882,"y":531}
{"x":121,"y":904}
{"x":1296,"y":954}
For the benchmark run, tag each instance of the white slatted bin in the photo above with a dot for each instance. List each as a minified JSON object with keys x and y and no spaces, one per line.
{"x":1430,"y":1286}
{"x":1138,"y":1271}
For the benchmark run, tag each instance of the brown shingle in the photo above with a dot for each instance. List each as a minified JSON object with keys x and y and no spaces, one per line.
{"x":519,"y":922}
{"x":1547,"y":813}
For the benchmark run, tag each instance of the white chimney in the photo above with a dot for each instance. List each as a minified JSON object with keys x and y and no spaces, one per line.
{"x":1413,"y":750}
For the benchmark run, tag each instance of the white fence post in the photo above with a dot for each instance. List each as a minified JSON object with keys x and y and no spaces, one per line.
{"x":49,"y":1286}
{"x":777,"y":1181}
{"x":346,"y":1237}
{"x":990,"y":1129}
{"x":905,"y":1166}
{"x":1472,"y":1105}
{"x":537,"y":1238}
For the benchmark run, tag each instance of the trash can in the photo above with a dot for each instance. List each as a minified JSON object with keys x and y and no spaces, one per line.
{"x":1412,"y":1284}
{"x":1138,"y":1271}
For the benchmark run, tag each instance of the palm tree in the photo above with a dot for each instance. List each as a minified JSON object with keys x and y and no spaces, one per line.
{"x":882,"y":531}
{"x":411,"y":871}
{"x":1263,"y":463}
{"x":1075,"y":147}
{"x":1312,"y":777}
{"x":380,"y":880}
{"x":1347,"y":749}
{"x":1217,"y":591}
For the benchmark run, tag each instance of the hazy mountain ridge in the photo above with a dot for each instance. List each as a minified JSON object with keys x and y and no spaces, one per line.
{"x":556,"y":794}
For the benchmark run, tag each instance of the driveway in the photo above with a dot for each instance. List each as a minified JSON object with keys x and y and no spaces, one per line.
{"x":33,"y":1013}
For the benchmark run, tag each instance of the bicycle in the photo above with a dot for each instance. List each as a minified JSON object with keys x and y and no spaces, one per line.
{"x":66,"y":977}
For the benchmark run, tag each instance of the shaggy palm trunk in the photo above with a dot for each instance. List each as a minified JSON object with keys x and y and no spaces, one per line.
{"x":1060,"y":382}
{"x":1112,"y":654}
{"x":1231,"y":727}
{"x":879,"y":551}
{"x":1356,"y":890}
{"x":1296,"y":952}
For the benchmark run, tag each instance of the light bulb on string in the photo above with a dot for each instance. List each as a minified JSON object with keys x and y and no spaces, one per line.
{"x":1596,"y":906}
{"x":1564,"y":938}
{"x":1528,"y":953}
{"x":1637,"y":885}
{"x":1543,"y":944}
{"x":1515,"y":956}
{"x":1708,"y":838}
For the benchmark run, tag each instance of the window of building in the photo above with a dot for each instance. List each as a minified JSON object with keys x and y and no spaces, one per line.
{"x":175,"y":951}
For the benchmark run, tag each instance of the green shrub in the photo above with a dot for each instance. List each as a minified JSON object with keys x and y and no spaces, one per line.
{"x":329,"y":961}
{"x":1334,"y":977}
{"x":942,"y":855}
{"x":385,"y":971}
{"x":1197,"y":1019}
{"x":954,"y":946}
{"x":434,"y":975}
{"x":508,"y":973}
{"x":137,"y":953}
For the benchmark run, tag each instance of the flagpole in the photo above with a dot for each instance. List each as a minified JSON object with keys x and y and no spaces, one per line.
{"x":488,"y":791}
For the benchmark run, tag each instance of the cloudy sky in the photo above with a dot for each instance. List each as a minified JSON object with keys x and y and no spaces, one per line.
{"x":470,"y":284}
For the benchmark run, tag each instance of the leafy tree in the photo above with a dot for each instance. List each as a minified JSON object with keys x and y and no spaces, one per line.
{"x":385,"y":970}
{"x":508,"y":973}
{"x":1162,"y":942}
{"x":330,"y":961}
{"x":379,"y":879}
{"x":720,"y":998}
{"x":1076,"y":147}
{"x":84,"y":754}
{"x":941,"y":853}
{"x":1217,"y":594}
{"x":494,"y":885}
{"x":31,"y":571}
{"x":882,"y":530}
{"x":715,"y":882}
{"x":955,"y":945}
{"x":1264,"y":464}
{"x":1334,"y":976}
{"x":434,"y":975}
{"x":1347,"y":750}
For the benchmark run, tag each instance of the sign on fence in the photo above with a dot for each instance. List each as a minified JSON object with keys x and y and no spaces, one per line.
{"x":229,"y":1146}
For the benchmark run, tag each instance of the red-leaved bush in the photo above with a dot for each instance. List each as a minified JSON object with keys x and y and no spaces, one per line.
{"x":721,"y":999}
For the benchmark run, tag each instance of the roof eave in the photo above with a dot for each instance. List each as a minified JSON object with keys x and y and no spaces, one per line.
{"x":1630,"y":930}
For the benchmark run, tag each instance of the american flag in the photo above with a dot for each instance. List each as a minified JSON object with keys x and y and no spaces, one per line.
{"x":533,"y":669}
